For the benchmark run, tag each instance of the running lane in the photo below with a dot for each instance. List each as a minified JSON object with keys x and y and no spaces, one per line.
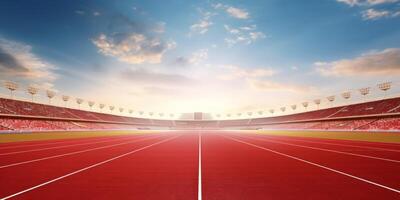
{"x":386,"y":153}
{"x":21,"y":177}
{"x":26,"y":146}
{"x":167,"y":170}
{"x":236,"y":170}
{"x":393,"y":146}
{"x":374,"y":169}
{"x":41,"y":152}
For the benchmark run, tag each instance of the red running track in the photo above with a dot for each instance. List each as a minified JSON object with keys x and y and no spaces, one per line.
{"x":234,"y":165}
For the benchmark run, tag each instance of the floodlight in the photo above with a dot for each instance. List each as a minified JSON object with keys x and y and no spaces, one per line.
{"x":364,"y":91}
{"x":91,"y":104}
{"x":32,"y":90}
{"x":11,"y":86}
{"x":346,"y":95}
{"x":65,"y":98}
{"x":102,"y":105}
{"x":385,"y":86}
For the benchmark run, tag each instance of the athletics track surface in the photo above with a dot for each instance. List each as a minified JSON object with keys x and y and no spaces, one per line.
{"x":231,"y":165}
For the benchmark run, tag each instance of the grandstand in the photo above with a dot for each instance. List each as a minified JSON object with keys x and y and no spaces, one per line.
{"x":17,"y":116}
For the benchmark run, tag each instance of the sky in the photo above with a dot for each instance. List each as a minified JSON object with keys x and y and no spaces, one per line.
{"x":211,"y":56}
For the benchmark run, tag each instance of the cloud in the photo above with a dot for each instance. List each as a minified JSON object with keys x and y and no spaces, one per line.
{"x":133,"y":42}
{"x":202,"y":26}
{"x":80,"y":12}
{"x":372,"y":14}
{"x":366,"y":2}
{"x":144,"y":76}
{"x":381,"y":63}
{"x":199,"y":56}
{"x":18,"y":60}
{"x":245,"y":35}
{"x":237,"y":13}
{"x":133,"y":48}
{"x":232,"y":11}
{"x":96,"y":13}
{"x":267,"y":85}
{"x":232,"y":72}
{"x":196,"y":58}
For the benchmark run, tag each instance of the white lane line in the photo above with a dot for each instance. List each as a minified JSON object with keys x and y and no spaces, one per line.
{"x":75,"y":152}
{"x":60,"y":147}
{"x":335,"y":144}
{"x":317,"y":165}
{"x":71,"y":140}
{"x":199,"y":189}
{"x":322,"y":149}
{"x":86,"y":168}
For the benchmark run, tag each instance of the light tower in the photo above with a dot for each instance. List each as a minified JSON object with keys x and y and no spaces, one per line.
{"x":79,"y":101}
{"x":65,"y":98}
{"x":385,"y":87}
{"x":271,"y":111}
{"x":12,"y":87}
{"x":346,"y":95}
{"x":111,"y":108}
{"x":305,"y":105}
{"x":317,"y":102}
{"x":101,"y":106}
{"x":32,"y":91}
{"x":50,"y":94}
{"x":331,"y":99}
{"x":364,"y":92}
{"x":91,"y":104}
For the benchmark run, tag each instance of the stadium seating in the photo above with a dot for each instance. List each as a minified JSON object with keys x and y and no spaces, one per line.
{"x":26,"y":116}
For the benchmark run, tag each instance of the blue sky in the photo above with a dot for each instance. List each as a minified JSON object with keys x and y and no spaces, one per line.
{"x":211,"y":56}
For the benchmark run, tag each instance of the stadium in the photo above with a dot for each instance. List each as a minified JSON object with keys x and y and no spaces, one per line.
{"x":122,"y":100}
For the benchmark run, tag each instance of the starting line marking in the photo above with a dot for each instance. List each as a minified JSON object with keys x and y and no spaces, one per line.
{"x":315,"y":164}
{"x":86,"y":168}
